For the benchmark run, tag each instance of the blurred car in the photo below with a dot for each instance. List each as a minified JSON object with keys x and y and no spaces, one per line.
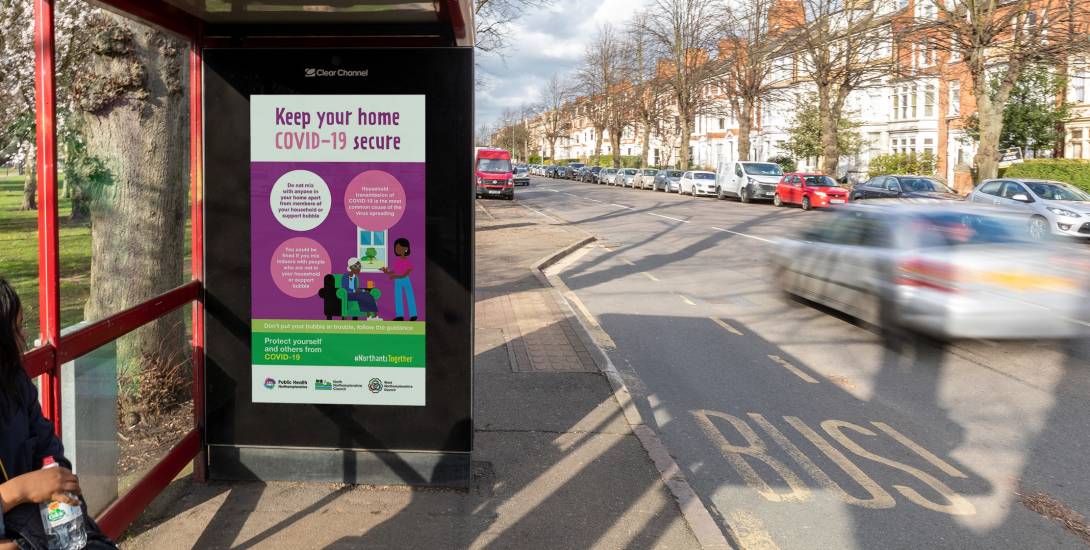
{"x":573,"y":169}
{"x":667,"y":180}
{"x":605,"y":177}
{"x":1054,"y":208}
{"x":697,"y":183}
{"x":810,"y":190}
{"x":950,"y":271}
{"x":904,"y":188}
{"x":522,"y":176}
{"x":645,"y":179}
{"x":625,"y":177}
{"x":590,"y":174}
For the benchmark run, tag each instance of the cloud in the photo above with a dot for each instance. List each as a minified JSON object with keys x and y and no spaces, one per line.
{"x":545,"y":41}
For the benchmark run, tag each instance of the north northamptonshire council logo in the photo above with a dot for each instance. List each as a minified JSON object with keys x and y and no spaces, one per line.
{"x":374,"y":385}
{"x":270,"y":383}
{"x":320,"y":384}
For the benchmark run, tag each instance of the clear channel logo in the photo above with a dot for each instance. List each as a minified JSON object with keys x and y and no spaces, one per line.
{"x":313,"y":72}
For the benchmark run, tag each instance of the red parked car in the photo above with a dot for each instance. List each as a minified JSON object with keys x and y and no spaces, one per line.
{"x":809,"y":190}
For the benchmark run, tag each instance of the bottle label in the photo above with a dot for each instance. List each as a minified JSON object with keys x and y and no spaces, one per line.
{"x":59,"y":513}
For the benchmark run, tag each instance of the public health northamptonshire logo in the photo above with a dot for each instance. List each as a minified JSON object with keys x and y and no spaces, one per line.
{"x":320,"y":384}
{"x":374,"y":385}
{"x":270,"y":383}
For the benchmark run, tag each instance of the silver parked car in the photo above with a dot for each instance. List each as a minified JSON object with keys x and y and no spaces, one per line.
{"x":645,"y":179}
{"x":625,"y":177}
{"x":952,"y":271}
{"x":1054,"y":208}
{"x":606,"y":176}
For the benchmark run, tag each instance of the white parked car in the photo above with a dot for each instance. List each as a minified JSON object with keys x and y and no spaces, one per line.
{"x":748,"y":180}
{"x":697,"y":183}
{"x":1053,"y":208}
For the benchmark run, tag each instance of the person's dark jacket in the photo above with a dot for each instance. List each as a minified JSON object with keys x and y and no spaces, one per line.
{"x":26,"y":438}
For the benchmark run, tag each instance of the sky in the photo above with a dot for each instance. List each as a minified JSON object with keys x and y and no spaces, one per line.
{"x":543,"y":42}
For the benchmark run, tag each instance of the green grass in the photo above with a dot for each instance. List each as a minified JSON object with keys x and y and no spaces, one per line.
{"x":19,"y":255}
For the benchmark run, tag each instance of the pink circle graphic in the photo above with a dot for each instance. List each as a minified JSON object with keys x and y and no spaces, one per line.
{"x":374,"y":200}
{"x":298,"y":267}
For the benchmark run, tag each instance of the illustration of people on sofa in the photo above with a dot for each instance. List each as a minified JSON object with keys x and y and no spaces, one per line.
{"x":349,"y":295}
{"x":399,"y":271}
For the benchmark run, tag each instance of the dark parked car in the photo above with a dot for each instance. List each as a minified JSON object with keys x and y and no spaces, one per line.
{"x":550,"y":171}
{"x":904,"y":188}
{"x":573,"y":169}
{"x":590,"y":174}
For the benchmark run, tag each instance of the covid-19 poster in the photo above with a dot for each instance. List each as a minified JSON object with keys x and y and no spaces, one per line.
{"x":337,"y":249}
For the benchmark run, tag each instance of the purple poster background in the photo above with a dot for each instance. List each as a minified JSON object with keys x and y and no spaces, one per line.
{"x":337,"y":234}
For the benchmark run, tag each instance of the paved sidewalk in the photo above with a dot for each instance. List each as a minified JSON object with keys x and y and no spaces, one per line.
{"x":555,"y":463}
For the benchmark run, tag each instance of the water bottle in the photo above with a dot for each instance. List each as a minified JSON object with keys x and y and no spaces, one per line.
{"x":63,"y":522}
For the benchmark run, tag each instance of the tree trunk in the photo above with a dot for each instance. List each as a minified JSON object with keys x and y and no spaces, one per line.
{"x":987,"y":151}
{"x":615,"y":141}
{"x":552,"y":150}
{"x":137,"y":226}
{"x":830,"y":153}
{"x":683,"y":142}
{"x":645,"y":144}
{"x":30,"y":183}
{"x":598,"y":145}
{"x":745,"y":123}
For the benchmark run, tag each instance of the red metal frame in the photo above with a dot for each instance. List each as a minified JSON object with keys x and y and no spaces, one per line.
{"x":45,"y":106}
{"x":196,"y":201}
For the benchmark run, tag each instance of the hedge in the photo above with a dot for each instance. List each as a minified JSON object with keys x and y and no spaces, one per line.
{"x":1075,"y":172}
{"x":902,"y":163}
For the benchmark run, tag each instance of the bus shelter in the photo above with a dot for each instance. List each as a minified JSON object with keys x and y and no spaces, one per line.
{"x":332,"y":215}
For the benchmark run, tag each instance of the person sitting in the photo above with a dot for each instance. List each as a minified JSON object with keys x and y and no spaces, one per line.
{"x":26,"y":440}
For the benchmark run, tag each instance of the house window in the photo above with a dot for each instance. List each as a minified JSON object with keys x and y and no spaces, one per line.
{"x":722,"y":123}
{"x":1076,"y":143}
{"x":1078,"y":92}
{"x":929,"y":101}
{"x":955,"y":47}
{"x":371,"y":250}
{"x":896,"y":103}
{"x":954,"y":93}
{"x":929,"y":145}
{"x":925,"y":9}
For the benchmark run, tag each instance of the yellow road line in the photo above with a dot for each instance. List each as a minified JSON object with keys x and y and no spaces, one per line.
{"x":727,"y":327}
{"x":649,"y":276}
{"x":686,"y":299}
{"x":750,"y":531}
{"x":797,"y":371}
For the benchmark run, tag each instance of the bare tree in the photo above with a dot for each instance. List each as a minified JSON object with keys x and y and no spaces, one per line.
{"x":601,"y":71}
{"x":683,"y":32}
{"x":493,"y":20}
{"x":647,"y":102}
{"x":998,"y":41}
{"x":753,"y":39}
{"x":840,"y":49}
{"x":554,"y":118}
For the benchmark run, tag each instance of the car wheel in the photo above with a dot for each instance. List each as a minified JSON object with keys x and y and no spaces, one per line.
{"x":743,"y":194}
{"x":776,"y":200}
{"x":719,"y":193}
{"x":1038,"y":228}
{"x":806,"y":203}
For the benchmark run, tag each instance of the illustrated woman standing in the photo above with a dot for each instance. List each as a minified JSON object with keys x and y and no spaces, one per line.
{"x":26,"y":439}
{"x":399,"y":271}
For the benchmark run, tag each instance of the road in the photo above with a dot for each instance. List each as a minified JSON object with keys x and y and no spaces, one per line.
{"x":796,"y":426}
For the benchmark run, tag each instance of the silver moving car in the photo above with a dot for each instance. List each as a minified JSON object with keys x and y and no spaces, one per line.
{"x":522,"y":176}
{"x":1054,"y":208}
{"x":952,"y":271}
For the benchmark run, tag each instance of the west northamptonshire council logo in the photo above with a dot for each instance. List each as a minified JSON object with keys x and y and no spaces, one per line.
{"x":270,"y":383}
{"x":320,"y":384}
{"x":374,"y":385}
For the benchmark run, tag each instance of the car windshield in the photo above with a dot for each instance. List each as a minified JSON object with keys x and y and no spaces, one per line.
{"x":577,"y":165}
{"x":704,"y":176}
{"x":630,"y":172}
{"x":763,"y":169}
{"x":650,"y":172}
{"x":673,"y":173}
{"x":521,"y":170}
{"x":1057,"y":191}
{"x":923,"y":185}
{"x":493,"y":165}
{"x":819,"y":181}
{"x":949,"y":229}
